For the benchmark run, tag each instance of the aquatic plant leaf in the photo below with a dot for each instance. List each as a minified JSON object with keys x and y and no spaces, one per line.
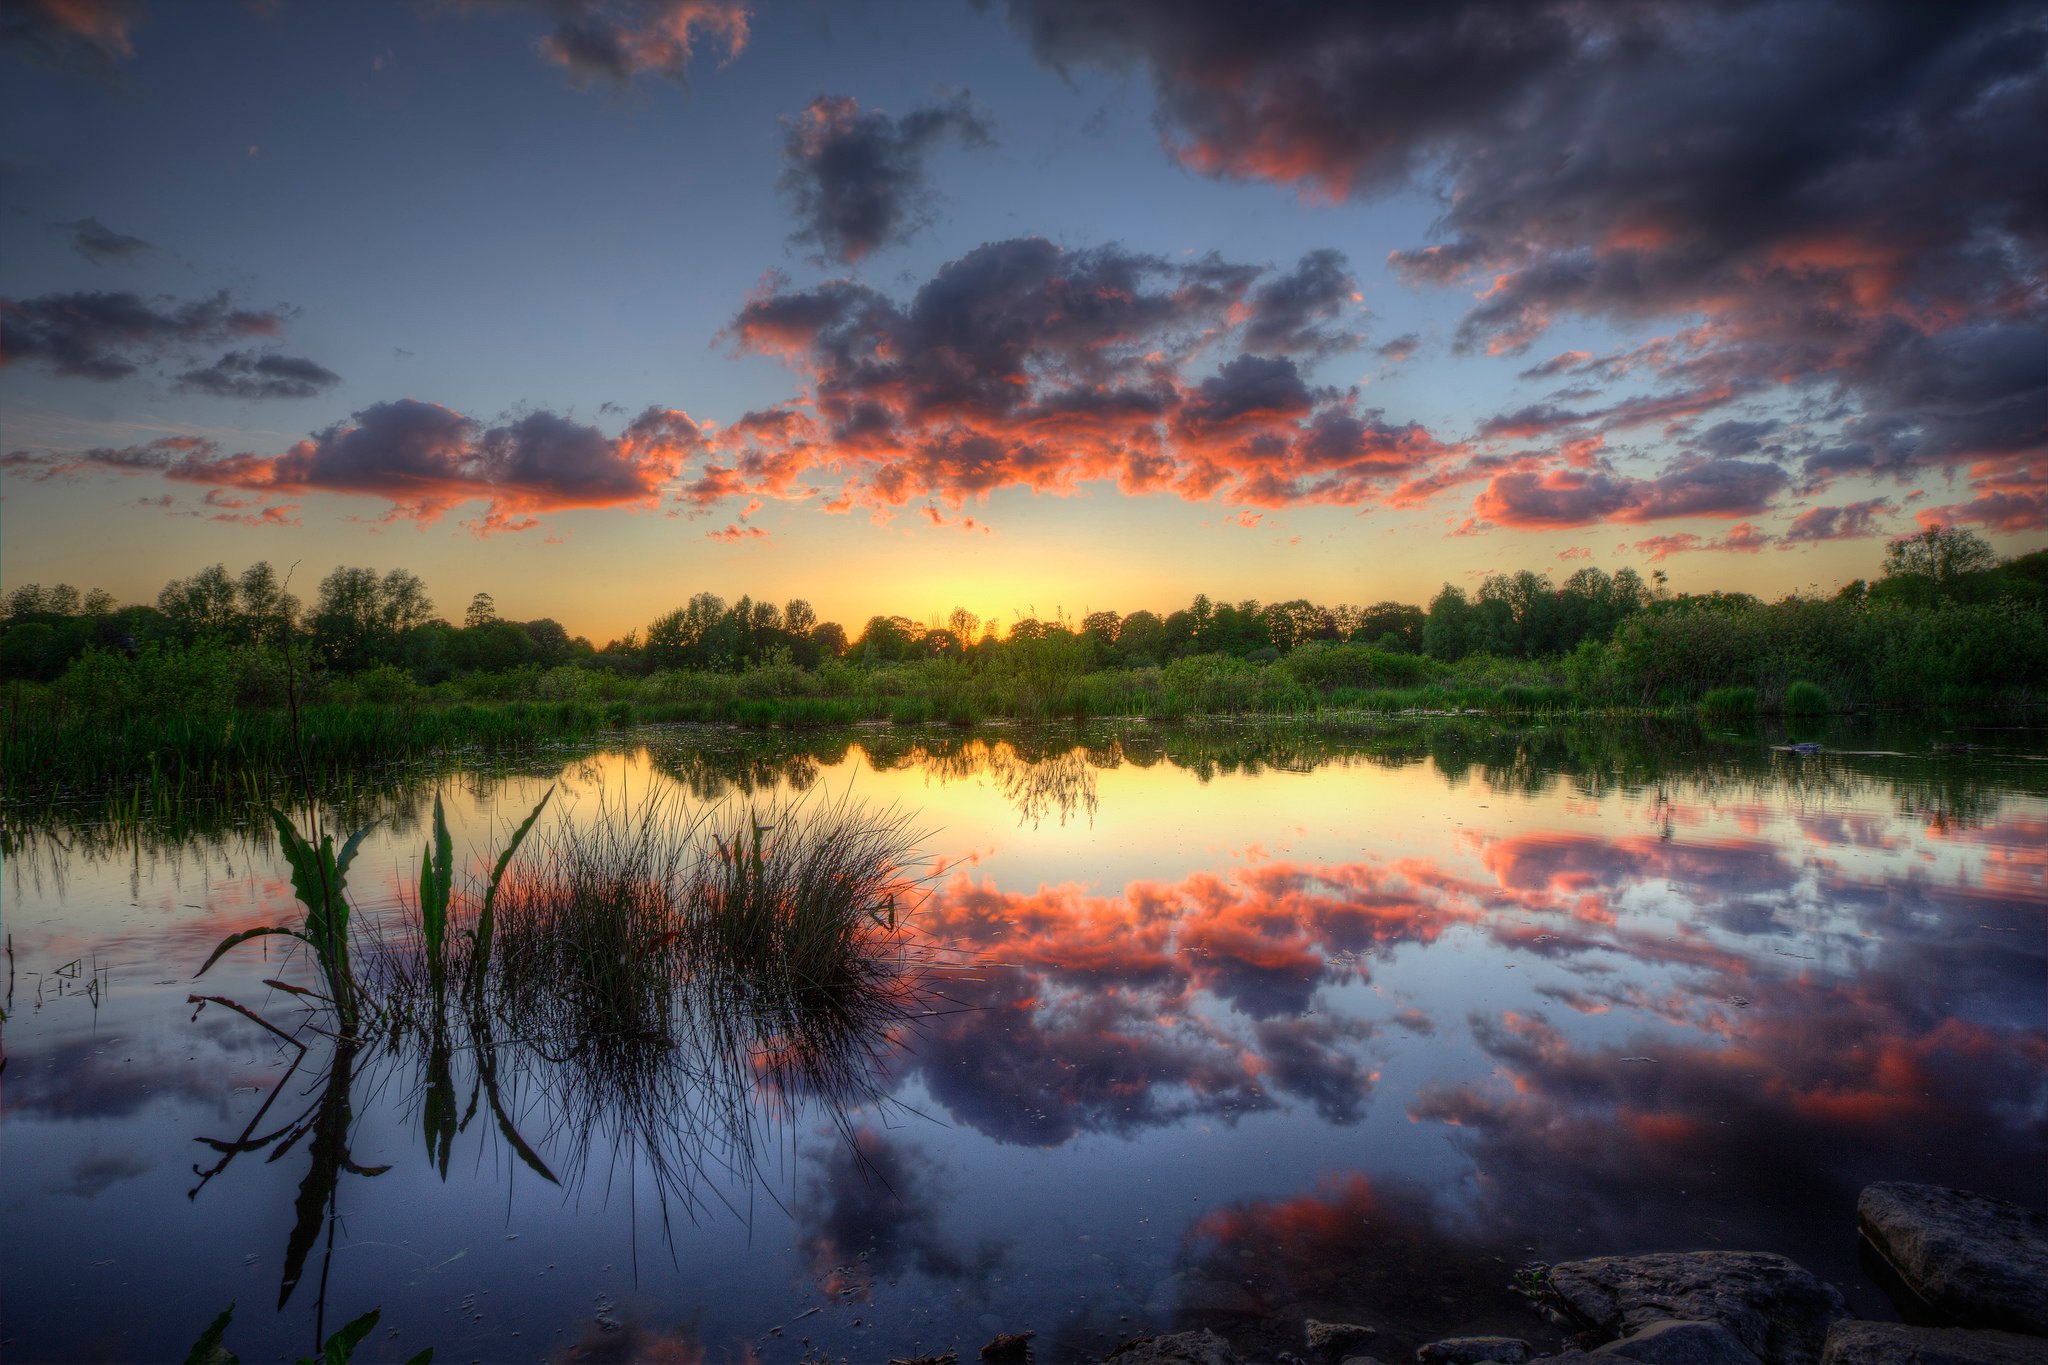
{"x":425,"y":1357}
{"x":208,"y":1349}
{"x":437,"y":879}
{"x":244,"y":936}
{"x":328,"y":1151}
{"x":487,"y":916}
{"x":316,"y":880}
{"x":487,"y":1072}
{"x":341,"y":1347}
{"x":437,"y":1108}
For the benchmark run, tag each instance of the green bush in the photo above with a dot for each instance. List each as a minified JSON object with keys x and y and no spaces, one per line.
{"x":1219,"y":684}
{"x":756,"y":714}
{"x":1805,"y":699}
{"x":1323,"y":666}
{"x":386,"y":685}
{"x":911,"y":711}
{"x":1729,"y":703}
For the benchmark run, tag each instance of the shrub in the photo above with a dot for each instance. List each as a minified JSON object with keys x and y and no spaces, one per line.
{"x":1729,"y":703}
{"x":1323,"y":666}
{"x":386,"y":685}
{"x":1805,"y":699}
{"x":1219,"y":683}
{"x":911,"y":711}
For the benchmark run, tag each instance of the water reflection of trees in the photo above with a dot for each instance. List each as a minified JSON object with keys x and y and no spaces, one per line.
{"x":1050,"y":772}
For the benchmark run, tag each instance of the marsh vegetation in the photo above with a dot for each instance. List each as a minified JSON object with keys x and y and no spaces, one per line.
{"x":192,"y":694}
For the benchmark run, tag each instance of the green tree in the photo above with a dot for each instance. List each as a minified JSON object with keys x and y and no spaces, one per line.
{"x":1447,"y":630}
{"x":1940,"y":553}
{"x":204,"y":606}
{"x":360,"y":619}
{"x":268,"y":612}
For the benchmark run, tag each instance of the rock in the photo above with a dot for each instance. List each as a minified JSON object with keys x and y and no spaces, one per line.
{"x":1474,"y":1351}
{"x":1981,"y":1262}
{"x":1894,"y":1343}
{"x":1680,"y":1341}
{"x":1009,"y":1348}
{"x":1175,"y":1348}
{"x":1774,"y":1307}
{"x":1334,"y":1341}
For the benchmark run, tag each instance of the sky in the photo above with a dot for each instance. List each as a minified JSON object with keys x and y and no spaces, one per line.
{"x":1026,"y":306}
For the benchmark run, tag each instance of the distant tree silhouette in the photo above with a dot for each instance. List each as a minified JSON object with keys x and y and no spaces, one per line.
{"x":1940,"y":553}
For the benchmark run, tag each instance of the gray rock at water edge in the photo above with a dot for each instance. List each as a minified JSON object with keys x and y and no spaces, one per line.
{"x":1333,"y":1341}
{"x":1775,"y":1308}
{"x":1894,"y":1343}
{"x":1474,"y":1351}
{"x":1175,"y":1348}
{"x":1982,"y":1262}
{"x":1680,"y":1341}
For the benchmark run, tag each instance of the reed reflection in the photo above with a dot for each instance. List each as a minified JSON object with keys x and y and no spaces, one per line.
{"x":666,"y":988}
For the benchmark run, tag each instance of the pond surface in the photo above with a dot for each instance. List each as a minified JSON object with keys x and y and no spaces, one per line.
{"x":1223,"y":1029}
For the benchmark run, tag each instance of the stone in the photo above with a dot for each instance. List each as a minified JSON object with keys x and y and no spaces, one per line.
{"x":1332,"y":1341}
{"x":1009,"y":1348}
{"x":1680,"y":1341}
{"x":1977,"y":1261}
{"x":1777,"y":1309}
{"x":1474,"y":1351}
{"x":1175,"y":1348}
{"x":1894,"y":1343}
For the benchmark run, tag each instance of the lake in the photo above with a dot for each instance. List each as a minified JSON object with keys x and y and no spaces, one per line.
{"x":1226,"y":1027}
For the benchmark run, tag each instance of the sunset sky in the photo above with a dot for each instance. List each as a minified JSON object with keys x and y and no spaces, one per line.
{"x":1024,"y":306}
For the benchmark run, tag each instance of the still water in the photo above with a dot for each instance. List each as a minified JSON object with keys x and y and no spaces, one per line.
{"x":1224,"y":1029}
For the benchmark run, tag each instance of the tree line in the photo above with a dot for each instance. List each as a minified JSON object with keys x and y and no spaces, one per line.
{"x":362,"y":620}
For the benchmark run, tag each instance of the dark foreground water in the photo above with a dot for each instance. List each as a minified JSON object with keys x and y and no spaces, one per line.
{"x":1237,"y":1028}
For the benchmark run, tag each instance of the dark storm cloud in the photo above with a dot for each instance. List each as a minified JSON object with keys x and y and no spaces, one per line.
{"x":105,"y":336}
{"x":260,"y":374}
{"x":857,"y":177}
{"x":1829,"y":196}
{"x":1027,"y":364}
{"x":82,"y":35}
{"x":99,"y":243}
{"x":1294,"y":313}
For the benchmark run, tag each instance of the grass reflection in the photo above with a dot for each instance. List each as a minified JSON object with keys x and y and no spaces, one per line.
{"x":667,"y":986}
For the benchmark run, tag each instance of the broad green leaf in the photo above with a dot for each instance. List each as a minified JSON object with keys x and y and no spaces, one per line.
{"x":343,"y":1343}
{"x":208,"y":1349}
{"x":348,"y":850}
{"x":437,"y":879}
{"x":486,"y":919}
